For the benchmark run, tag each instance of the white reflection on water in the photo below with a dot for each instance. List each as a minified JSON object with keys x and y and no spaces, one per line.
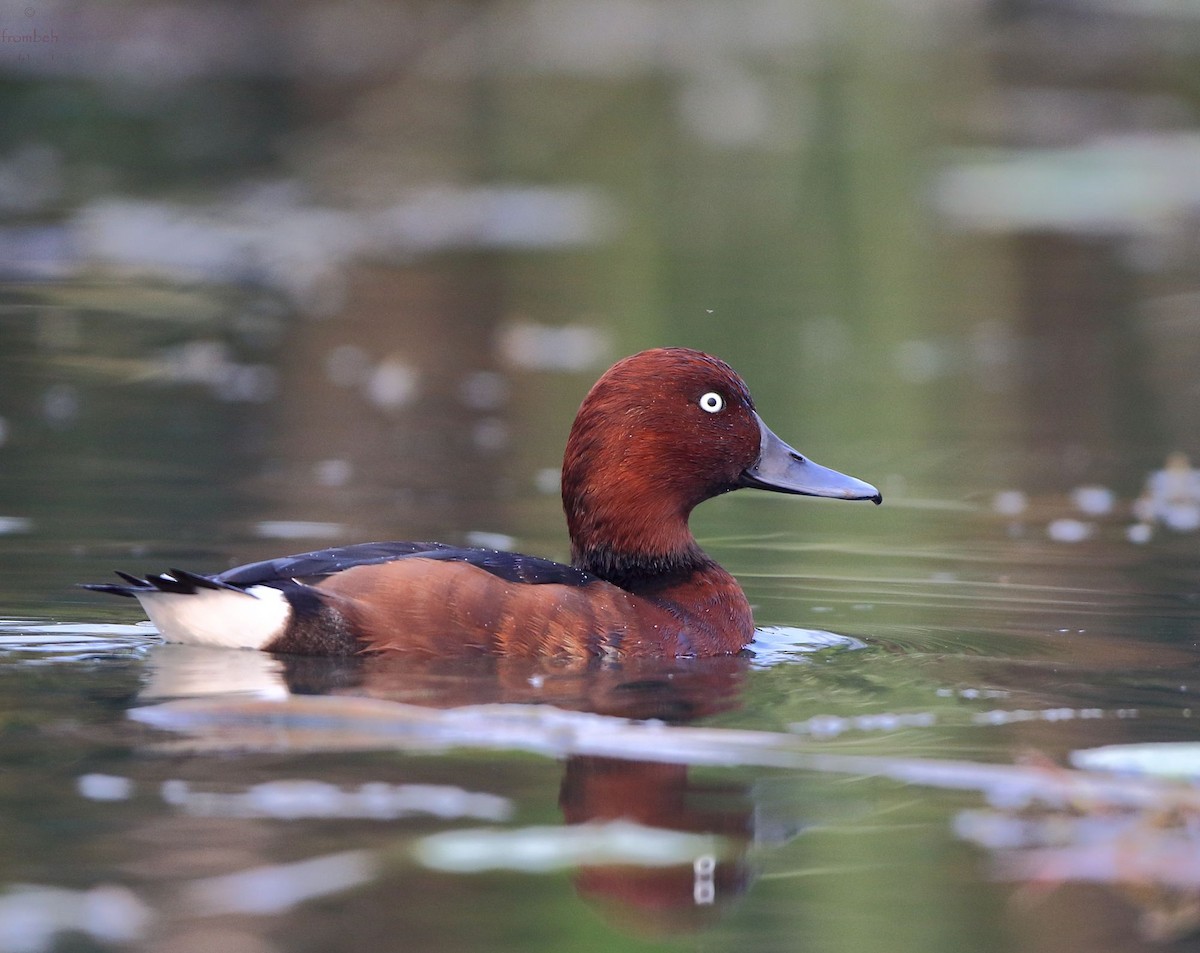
{"x":279,"y":887}
{"x":104,"y":787}
{"x":32,"y":916}
{"x":1093,"y":500}
{"x":1172,"y":496}
{"x":271,"y":234}
{"x":1067,"y":530}
{"x":299,"y":529}
{"x":71,"y":642}
{"x":1134,"y":183}
{"x":830,"y":726}
{"x":543,"y":849}
{"x":1165,"y":759}
{"x":182,"y":671}
{"x":376,"y":800}
{"x":775,"y":644}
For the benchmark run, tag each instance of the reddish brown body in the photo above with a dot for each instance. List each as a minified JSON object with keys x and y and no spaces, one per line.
{"x":438,"y":608}
{"x":659,"y":433}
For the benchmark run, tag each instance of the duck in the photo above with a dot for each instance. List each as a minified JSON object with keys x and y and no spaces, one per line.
{"x":659,"y":433}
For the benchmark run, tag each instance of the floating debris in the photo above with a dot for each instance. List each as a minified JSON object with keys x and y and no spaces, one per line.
{"x":1172,"y":496}
{"x":1146,"y":849}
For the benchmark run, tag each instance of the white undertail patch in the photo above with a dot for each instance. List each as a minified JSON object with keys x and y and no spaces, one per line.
{"x":219,"y":617}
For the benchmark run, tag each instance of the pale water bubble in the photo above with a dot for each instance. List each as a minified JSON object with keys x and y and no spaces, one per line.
{"x":175,"y":792}
{"x":334,"y":472}
{"x":299,"y":529}
{"x":490,"y":435}
{"x":486,"y":540}
{"x":1093,"y":500}
{"x":1010,"y":503}
{"x":532,"y":346}
{"x":33,"y":916}
{"x":1070,"y":530}
{"x":484,"y":390}
{"x":12,"y":525}
{"x":1139,"y":533}
{"x":1181,"y":517}
{"x":392,"y":384}
{"x":1172,"y":496}
{"x":548,"y":480}
{"x":104,"y":787}
{"x":60,"y":405}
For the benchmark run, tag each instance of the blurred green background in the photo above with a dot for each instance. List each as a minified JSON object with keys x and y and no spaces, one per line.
{"x":376,"y":251}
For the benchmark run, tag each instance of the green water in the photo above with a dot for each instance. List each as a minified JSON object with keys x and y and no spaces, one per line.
{"x":270,"y":283}
{"x":981,"y":640}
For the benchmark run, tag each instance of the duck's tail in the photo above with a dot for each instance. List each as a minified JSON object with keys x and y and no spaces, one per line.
{"x":178,"y":581}
{"x":200,"y":610}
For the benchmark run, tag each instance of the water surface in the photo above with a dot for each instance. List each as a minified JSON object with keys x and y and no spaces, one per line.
{"x":274,"y":282}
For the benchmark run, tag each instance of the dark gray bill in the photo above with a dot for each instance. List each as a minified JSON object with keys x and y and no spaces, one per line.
{"x":782,"y":469}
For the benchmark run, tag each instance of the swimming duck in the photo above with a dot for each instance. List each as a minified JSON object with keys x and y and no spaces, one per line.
{"x":659,"y":433}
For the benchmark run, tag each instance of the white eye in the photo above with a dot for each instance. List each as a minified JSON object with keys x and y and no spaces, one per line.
{"x":712,"y":402}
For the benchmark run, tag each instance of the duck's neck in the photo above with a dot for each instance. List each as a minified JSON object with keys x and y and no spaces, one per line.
{"x":629,"y":526}
{"x":640,"y":571}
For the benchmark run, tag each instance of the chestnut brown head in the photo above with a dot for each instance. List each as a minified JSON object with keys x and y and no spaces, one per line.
{"x":662,"y":431}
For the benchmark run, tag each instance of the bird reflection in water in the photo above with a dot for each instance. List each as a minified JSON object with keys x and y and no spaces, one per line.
{"x":658,"y":900}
